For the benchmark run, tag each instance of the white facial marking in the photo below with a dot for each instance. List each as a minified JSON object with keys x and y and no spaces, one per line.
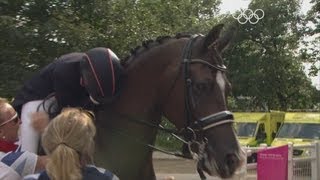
{"x":221,"y":82}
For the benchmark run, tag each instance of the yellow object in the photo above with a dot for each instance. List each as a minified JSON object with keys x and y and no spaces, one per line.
{"x":299,"y":128}
{"x":255,"y":128}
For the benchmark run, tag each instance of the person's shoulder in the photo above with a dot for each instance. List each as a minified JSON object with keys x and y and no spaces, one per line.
{"x":99,"y":173}
{"x":11,"y":157}
{"x":67,"y":64}
{"x":22,"y":162}
{"x":71,"y":57}
{"x":7,"y":172}
{"x":2,"y":154}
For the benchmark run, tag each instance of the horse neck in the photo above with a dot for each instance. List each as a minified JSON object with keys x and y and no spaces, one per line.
{"x":122,"y":145}
{"x":121,"y":142}
{"x":150,"y":76}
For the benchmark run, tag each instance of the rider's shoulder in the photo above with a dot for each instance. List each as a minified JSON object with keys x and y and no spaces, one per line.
{"x":70,"y":57}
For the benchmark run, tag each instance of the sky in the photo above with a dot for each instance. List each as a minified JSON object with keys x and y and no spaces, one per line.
{"x":234,"y":5}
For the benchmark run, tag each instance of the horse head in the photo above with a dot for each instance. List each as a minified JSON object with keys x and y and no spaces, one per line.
{"x":196,"y":103}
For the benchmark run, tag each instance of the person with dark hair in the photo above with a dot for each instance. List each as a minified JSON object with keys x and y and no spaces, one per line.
{"x":72,"y":80}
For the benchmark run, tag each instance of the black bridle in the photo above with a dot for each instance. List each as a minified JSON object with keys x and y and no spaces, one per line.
{"x":204,"y":123}
{"x":196,"y":125}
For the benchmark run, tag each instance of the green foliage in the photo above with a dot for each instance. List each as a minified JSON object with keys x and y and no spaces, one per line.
{"x":265,"y":68}
{"x":311,"y":30}
{"x":34,"y":32}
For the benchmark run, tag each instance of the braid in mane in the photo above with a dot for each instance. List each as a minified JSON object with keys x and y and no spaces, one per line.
{"x":148,"y":44}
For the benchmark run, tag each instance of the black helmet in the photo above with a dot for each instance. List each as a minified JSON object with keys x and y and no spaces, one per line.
{"x":101,"y":72}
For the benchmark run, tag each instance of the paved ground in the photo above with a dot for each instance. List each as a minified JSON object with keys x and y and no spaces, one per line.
{"x":183,"y":177}
{"x":181,"y":169}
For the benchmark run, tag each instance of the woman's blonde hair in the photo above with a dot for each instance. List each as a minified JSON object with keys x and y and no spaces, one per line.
{"x":69,"y":142}
{"x":3,"y":104}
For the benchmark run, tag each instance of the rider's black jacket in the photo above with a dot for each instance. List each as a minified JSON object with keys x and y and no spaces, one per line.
{"x":61,"y":77}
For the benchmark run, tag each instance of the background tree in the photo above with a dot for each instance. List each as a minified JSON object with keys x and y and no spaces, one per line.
{"x":265,"y":68}
{"x":34,"y":32}
{"x":311,"y":29}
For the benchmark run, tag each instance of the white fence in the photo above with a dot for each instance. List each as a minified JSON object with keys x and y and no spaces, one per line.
{"x":305,"y":167}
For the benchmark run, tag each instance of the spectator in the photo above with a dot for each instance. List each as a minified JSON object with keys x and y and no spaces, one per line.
{"x":69,"y":142}
{"x":14,"y":164}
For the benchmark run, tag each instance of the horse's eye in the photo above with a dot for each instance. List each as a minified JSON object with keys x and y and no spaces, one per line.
{"x":203,"y":87}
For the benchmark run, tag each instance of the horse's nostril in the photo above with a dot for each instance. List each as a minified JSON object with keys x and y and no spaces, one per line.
{"x":232,"y":161}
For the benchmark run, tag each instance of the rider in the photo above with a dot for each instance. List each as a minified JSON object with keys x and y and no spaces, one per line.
{"x":72,"y":80}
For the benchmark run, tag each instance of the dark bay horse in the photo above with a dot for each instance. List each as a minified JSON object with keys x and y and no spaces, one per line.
{"x":181,"y":78}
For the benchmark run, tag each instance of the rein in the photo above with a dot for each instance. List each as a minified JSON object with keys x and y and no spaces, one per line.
{"x":138,"y":141}
{"x":172,"y":132}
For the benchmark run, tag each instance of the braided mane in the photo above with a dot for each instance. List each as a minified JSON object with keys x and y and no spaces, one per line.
{"x":149,"y":44}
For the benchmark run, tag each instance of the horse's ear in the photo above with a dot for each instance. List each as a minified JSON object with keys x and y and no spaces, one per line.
{"x":212,"y":36}
{"x":223,"y":42}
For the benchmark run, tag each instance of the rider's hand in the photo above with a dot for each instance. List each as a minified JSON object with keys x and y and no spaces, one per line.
{"x":39,"y":121}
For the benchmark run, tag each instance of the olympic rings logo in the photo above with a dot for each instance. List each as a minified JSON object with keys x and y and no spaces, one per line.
{"x":249,"y":15}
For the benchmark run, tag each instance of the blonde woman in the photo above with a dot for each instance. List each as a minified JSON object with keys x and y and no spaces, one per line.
{"x":68,"y":140}
{"x":14,"y":163}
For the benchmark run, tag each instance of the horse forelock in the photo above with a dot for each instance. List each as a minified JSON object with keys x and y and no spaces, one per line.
{"x":149,"y":44}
